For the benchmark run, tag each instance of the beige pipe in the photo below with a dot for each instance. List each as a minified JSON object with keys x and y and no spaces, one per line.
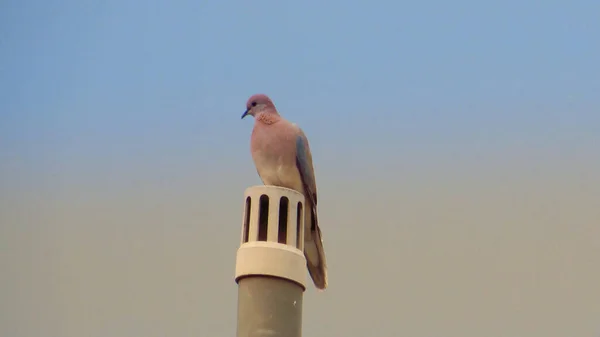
{"x":270,"y":265}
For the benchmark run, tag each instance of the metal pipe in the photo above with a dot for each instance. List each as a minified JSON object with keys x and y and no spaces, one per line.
{"x":270,"y":263}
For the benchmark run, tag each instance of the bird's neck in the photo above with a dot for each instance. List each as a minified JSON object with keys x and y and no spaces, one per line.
{"x":268,"y":117}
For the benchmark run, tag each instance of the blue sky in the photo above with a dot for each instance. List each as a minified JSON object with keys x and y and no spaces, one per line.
{"x":477,"y":122}
{"x":111,"y":78}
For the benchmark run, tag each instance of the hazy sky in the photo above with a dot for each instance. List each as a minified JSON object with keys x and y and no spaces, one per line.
{"x":456,"y":145}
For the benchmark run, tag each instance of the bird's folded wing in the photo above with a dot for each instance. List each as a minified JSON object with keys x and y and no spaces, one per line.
{"x":305,"y":167}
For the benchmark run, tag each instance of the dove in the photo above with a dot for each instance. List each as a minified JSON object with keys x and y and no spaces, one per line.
{"x":282,"y":157}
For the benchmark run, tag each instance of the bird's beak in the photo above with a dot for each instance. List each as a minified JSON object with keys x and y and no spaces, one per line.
{"x":245,"y":114}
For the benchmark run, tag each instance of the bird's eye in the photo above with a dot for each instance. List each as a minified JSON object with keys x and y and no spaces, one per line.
{"x":253,"y":103}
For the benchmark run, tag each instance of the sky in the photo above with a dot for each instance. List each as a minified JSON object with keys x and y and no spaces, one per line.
{"x":455,"y":146}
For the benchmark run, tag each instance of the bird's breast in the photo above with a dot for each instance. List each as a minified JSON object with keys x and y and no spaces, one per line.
{"x":274,"y":155}
{"x":277,"y":170}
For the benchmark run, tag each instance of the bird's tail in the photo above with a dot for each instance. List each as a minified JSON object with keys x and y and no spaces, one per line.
{"x":314,"y":252}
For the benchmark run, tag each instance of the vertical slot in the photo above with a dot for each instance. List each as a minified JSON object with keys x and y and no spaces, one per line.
{"x":263,"y":217}
{"x":283,"y":220}
{"x":246,"y":220}
{"x":299,"y":220}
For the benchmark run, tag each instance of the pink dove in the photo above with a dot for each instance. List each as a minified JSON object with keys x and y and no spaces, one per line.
{"x":282,"y":158}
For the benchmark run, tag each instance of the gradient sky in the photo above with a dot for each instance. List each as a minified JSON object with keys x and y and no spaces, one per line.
{"x":456,"y":145}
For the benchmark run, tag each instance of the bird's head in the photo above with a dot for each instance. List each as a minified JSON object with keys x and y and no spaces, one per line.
{"x":257,"y":104}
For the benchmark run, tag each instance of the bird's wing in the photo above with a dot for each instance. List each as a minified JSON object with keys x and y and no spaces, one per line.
{"x":305,"y":167}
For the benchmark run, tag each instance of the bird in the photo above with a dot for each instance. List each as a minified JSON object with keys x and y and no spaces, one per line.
{"x":282,"y":157}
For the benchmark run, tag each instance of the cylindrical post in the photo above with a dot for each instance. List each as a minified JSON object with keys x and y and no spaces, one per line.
{"x":270,"y":265}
